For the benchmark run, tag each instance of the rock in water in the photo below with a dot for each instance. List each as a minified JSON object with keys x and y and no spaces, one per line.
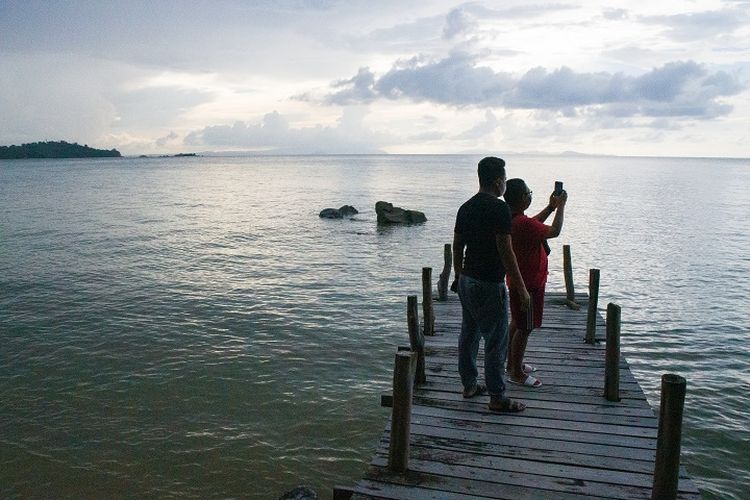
{"x":338,"y":213}
{"x":330,"y":213}
{"x":300,"y":493}
{"x":388,"y":214}
{"x":348,"y":211}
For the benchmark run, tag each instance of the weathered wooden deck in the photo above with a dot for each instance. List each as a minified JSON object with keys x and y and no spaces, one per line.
{"x":570,"y":442}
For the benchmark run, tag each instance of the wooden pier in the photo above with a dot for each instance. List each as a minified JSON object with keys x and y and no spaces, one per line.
{"x":570,"y":442}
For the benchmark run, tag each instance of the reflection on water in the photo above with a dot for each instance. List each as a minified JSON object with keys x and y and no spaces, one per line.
{"x":191,"y":327}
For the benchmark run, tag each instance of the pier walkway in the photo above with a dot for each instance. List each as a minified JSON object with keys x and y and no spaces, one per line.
{"x":570,"y":442}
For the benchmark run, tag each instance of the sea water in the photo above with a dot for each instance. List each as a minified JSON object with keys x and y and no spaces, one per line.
{"x":191,"y":327}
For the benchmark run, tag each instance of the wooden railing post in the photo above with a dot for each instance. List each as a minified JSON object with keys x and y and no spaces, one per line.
{"x":570,"y":294}
{"x":403,"y":389}
{"x":612,"y":354}
{"x":446,"y":274}
{"x":667,"y":465}
{"x":428,"y":316}
{"x":593,"y":304}
{"x":416,"y":338}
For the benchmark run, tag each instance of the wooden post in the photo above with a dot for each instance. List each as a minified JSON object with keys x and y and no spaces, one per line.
{"x":593,"y":304}
{"x":667,"y":465}
{"x":403,"y":388}
{"x":446,"y":274}
{"x":570,"y":294}
{"x":416,"y":338}
{"x":427,"y":314}
{"x":612,"y":354}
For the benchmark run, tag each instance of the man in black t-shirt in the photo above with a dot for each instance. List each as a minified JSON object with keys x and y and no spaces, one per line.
{"x":482,"y":254}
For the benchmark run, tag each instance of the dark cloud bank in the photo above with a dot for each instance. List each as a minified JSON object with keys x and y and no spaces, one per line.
{"x":679,"y":89}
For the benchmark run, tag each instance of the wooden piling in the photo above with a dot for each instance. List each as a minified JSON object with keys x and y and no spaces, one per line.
{"x":427,"y":312}
{"x":593,"y":304}
{"x":446,"y":274}
{"x":612,"y":354}
{"x":667,"y":465}
{"x":570,"y":294}
{"x":416,"y":338}
{"x":403,"y":389}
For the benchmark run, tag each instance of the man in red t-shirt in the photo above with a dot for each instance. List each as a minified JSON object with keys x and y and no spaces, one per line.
{"x":528,"y":235}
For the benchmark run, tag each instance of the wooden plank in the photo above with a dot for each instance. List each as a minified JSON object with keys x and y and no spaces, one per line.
{"x":563,"y":410}
{"x":632,"y":398}
{"x":535,"y":439}
{"x":483,"y":416}
{"x":629,"y":425}
{"x":557,"y":367}
{"x":533,"y":467}
{"x":477,"y":443}
{"x":418,"y":486}
{"x":625,"y":407}
{"x":544,"y":485}
{"x":592,"y":389}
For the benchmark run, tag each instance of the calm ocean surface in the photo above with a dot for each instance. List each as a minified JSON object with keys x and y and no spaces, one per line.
{"x":190,"y":327}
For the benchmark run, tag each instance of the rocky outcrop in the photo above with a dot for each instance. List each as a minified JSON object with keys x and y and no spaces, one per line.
{"x":388,"y":214}
{"x":338,"y":213}
{"x":300,"y":493}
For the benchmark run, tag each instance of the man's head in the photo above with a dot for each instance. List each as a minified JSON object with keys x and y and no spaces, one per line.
{"x":517,"y":194}
{"x":491,"y":174}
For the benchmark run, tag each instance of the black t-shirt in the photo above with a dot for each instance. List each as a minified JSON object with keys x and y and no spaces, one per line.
{"x":478,"y":222}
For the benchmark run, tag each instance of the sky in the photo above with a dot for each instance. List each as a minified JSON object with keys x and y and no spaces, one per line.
{"x":662,"y":78}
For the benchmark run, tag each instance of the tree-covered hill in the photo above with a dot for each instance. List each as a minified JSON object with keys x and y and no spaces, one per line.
{"x":54,"y":149}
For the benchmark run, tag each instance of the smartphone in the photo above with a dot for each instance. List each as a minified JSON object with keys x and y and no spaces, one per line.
{"x":558,"y":188}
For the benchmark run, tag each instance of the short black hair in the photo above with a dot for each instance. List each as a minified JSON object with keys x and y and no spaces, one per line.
{"x":515,"y":190}
{"x":490,"y":169}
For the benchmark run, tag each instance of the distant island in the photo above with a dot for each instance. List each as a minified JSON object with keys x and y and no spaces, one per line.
{"x":54,"y":149}
{"x":178,"y":155}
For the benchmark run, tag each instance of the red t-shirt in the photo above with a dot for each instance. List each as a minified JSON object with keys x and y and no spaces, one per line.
{"x":528,"y":235}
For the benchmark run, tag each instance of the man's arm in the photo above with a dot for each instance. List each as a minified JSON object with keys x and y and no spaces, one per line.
{"x":546,"y":212}
{"x":557,"y":222}
{"x":458,"y":254}
{"x":505,"y":249}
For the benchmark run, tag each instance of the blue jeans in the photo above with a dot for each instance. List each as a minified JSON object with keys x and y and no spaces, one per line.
{"x":485,"y":314}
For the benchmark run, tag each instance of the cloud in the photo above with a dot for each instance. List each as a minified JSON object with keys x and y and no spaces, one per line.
{"x":358,"y":89}
{"x":167,"y":139}
{"x":615,"y":14}
{"x":517,"y":12}
{"x":406,"y":32}
{"x":666,"y":83}
{"x":488,"y":126}
{"x":457,"y":22}
{"x":562,"y":88}
{"x":700,"y":25}
{"x":683,"y":88}
{"x":274,"y":134}
{"x":157,"y":106}
{"x":433,"y":135}
{"x":460,"y":24}
{"x":455,"y":80}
